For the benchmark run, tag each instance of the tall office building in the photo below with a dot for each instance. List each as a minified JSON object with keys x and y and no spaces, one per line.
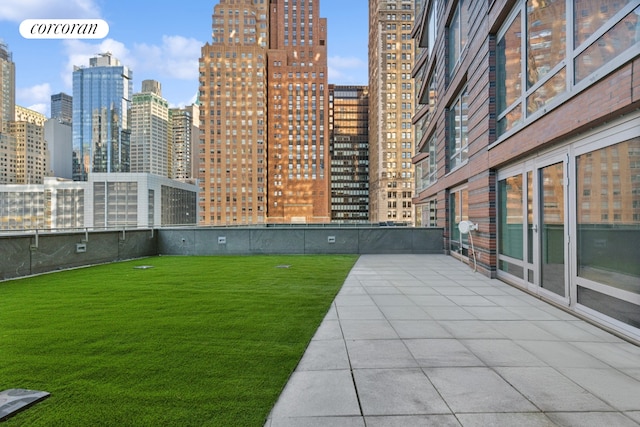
{"x":149,"y":117}
{"x":62,"y":107}
{"x":7,"y":114}
{"x":32,"y":155}
{"x":7,"y":158}
{"x":101,"y":100}
{"x":7,"y":87}
{"x":279,"y":47}
{"x":349,"y":130}
{"x":232,"y":155}
{"x":298,"y":116}
{"x":58,"y":136}
{"x":391,"y":101}
{"x":182,"y":134}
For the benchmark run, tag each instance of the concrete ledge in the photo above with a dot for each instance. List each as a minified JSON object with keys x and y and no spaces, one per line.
{"x":299,"y":240}
{"x":27,"y":254}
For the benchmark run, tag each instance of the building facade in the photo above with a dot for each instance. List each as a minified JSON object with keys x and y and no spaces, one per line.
{"x":529,"y":128}
{"x":101,"y":101}
{"x":62,"y":107}
{"x":7,"y":87}
{"x":183,"y":134}
{"x":231,"y":156}
{"x":276,"y":47}
{"x":298,"y":114}
{"x":8,"y":163}
{"x":58,"y":136}
{"x":149,"y":125}
{"x":391,"y":101}
{"x":32,"y":154}
{"x":104,"y":201}
{"x":349,"y":133}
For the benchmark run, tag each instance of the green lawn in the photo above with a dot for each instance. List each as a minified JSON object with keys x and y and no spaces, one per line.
{"x":193,"y":341}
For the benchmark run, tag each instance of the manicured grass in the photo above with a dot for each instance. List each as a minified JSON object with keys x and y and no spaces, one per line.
{"x":193,"y":341}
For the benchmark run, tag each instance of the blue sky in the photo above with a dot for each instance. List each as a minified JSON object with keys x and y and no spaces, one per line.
{"x":157,"y":40}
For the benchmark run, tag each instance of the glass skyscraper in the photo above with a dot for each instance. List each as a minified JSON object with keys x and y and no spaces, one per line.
{"x":101,"y":100}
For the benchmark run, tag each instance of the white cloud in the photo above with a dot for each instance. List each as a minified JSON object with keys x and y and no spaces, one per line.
{"x":350,"y":70}
{"x":18,"y":10}
{"x":41,"y":108}
{"x":175,"y":58}
{"x":182,"y":104}
{"x":36,"y":97}
{"x":78,"y":54}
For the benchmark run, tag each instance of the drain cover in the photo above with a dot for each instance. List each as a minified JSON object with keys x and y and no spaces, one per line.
{"x":15,"y":400}
{"x":143,"y":267}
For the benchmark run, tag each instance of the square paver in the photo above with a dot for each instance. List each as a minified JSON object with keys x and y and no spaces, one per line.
{"x":316,"y":422}
{"x":370,"y":312}
{"x":616,"y":355}
{"x":316,"y":394}
{"x":328,"y":330}
{"x":506,"y":419}
{"x":614,"y":387}
{"x":477,"y":390}
{"x":379,"y":354}
{"x":551,"y":391}
{"x":470,"y":329}
{"x":397,"y":392}
{"x":406,"y":312}
{"x":502,"y":353}
{"x":323,"y":355}
{"x":522,"y":330}
{"x":419,"y":329}
{"x":367,"y":329}
{"x":561,"y":354}
{"x":441,"y":352}
{"x":413,"y":421}
{"x":452,"y":312}
{"x":591,"y":419}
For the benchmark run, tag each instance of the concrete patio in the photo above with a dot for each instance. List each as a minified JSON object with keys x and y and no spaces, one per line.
{"x":422,"y":340}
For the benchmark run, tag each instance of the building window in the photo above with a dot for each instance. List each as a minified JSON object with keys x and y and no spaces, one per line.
{"x":458,"y":139}
{"x":457,"y":34}
{"x":606,"y":221}
{"x":618,"y":38}
{"x":426,"y":170}
{"x":458,"y":211}
{"x":433,"y":27}
{"x":535,"y":66}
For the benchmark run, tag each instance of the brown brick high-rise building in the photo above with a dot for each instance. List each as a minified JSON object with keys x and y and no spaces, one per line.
{"x":231,"y":153}
{"x":298,"y":117}
{"x":263,"y":155}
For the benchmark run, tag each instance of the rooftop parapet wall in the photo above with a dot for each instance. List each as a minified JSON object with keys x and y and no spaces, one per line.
{"x":29,"y":254}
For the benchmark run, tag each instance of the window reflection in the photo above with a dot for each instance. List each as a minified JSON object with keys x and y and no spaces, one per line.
{"x":547,"y":92}
{"x":511,"y":196}
{"x":510,"y":65}
{"x":590,"y":15}
{"x":546,"y":34}
{"x":612,"y":43}
{"x":608,"y":212}
{"x":459,"y":202}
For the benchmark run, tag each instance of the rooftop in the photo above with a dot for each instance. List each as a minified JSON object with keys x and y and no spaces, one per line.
{"x":414,"y":340}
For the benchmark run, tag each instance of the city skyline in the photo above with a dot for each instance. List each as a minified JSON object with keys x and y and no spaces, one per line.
{"x":144,"y":40}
